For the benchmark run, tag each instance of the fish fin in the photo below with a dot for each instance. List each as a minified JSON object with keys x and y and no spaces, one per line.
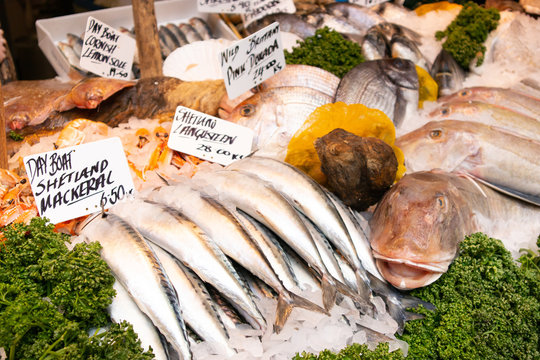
{"x":413,"y":316}
{"x":364,"y":290}
{"x":532,"y":199}
{"x":365,"y":306}
{"x":329,"y":292}
{"x":286,"y":302}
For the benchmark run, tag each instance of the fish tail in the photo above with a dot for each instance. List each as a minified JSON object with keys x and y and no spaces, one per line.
{"x":329,"y":292}
{"x":398,"y":304}
{"x":364,"y":288}
{"x":365,"y":306}
{"x":286,"y":302}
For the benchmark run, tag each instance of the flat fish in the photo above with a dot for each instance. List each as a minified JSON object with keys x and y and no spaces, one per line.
{"x":390,"y":85}
{"x":501,"y":159}
{"x":33,"y":101}
{"x":90,"y":92}
{"x":417,"y":226}
{"x":135,"y":265}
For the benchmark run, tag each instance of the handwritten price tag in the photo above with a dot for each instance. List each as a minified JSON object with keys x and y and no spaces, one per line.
{"x":107,"y":52}
{"x":224,"y":6}
{"x":252,"y":60}
{"x":79,"y":180}
{"x":261,"y":8}
{"x":208,"y":137}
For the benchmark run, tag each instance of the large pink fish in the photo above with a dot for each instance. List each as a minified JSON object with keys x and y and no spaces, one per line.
{"x":418,"y":225}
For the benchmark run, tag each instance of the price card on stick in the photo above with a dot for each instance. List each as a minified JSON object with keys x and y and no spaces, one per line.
{"x":250,"y":61}
{"x":210,"y":138}
{"x":107,"y":52}
{"x":224,"y":6}
{"x":79,"y":180}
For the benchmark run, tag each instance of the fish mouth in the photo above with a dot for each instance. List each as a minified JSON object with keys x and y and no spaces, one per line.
{"x":407,"y":274}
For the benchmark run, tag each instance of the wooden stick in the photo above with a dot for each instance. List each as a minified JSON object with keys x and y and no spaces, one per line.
{"x":3,"y":140}
{"x":146,"y":33}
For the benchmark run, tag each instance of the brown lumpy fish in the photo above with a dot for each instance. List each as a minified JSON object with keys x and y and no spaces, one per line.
{"x":417,"y":226}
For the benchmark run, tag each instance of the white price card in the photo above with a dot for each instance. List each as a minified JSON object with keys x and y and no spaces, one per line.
{"x":107,"y":52}
{"x":224,"y":6}
{"x":250,"y":61}
{"x":210,"y":138}
{"x":79,"y":180}
{"x":261,"y":8}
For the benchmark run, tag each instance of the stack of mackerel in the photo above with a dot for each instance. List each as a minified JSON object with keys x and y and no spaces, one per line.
{"x":190,"y":257}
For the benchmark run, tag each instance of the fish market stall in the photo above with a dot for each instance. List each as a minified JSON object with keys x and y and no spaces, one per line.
{"x":354,"y":218}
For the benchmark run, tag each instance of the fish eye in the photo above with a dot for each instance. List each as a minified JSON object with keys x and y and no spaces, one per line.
{"x":445,"y":111}
{"x":441,"y":202}
{"x":247,"y":110}
{"x":435,"y":134}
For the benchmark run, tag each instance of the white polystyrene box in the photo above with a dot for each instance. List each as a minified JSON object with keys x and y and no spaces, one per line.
{"x":51,"y":31}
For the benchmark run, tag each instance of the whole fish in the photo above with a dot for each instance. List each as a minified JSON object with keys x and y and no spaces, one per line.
{"x":320,"y":19}
{"x":503,"y":160}
{"x":229,"y":235}
{"x":172,"y":231}
{"x":360,"y":17}
{"x":124,"y":308}
{"x":403,"y":47}
{"x":190,"y":33}
{"x":417,"y":226}
{"x":261,"y":201}
{"x":201,"y":27}
{"x":135,"y":265}
{"x":374,"y":45}
{"x":272,"y":250}
{"x":76,"y":43}
{"x":169,"y":37}
{"x":447,"y":73}
{"x":307,"y":197}
{"x":292,"y":75}
{"x":396,"y":303}
{"x":275,"y":114}
{"x":490,"y":115}
{"x":71,"y":56}
{"x":390,"y":85}
{"x":389,"y":30}
{"x":287,"y":22}
{"x":508,"y":98}
{"x":180,"y":37}
{"x":196,"y":305}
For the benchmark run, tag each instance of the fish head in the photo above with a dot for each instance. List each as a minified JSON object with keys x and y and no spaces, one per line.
{"x":416,"y":229}
{"x":456,"y":110}
{"x":401,"y":72}
{"x":437,"y":145}
{"x":18,"y":121}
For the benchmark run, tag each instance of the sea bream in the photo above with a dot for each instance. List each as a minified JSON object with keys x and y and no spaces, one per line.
{"x":508,"y":162}
{"x":417,"y":226}
{"x":390,"y":85}
{"x":137,"y":268}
